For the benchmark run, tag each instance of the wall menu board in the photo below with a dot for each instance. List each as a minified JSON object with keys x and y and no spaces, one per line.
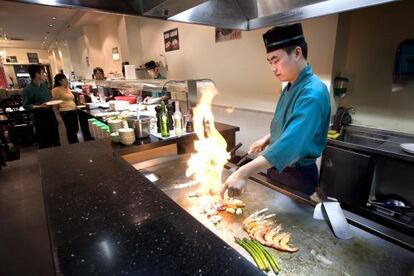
{"x":32,"y":57}
{"x":171,"y":40}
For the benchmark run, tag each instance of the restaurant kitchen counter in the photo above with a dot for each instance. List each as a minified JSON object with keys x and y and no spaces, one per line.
{"x":105,"y":218}
{"x":184,"y":143}
{"x":320,"y":252}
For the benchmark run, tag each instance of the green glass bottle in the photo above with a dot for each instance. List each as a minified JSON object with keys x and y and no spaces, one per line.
{"x":165,"y":129}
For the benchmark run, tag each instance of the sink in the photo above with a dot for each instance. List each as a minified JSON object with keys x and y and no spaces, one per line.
{"x":362,"y":140}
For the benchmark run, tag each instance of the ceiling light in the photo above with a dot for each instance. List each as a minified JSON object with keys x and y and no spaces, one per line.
{"x":50,"y":25}
{"x":53,"y":17}
{"x":45,"y":37}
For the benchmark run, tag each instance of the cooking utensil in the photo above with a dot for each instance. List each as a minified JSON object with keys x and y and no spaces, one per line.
{"x":330,"y":210}
{"x":141,"y":126}
{"x":407,"y":147}
{"x":233,"y":150}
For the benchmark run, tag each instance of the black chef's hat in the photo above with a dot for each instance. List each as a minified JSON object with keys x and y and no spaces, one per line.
{"x":280,"y":37}
{"x":150,"y":65}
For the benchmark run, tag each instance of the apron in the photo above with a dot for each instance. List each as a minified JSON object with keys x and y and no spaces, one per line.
{"x":303,"y":179}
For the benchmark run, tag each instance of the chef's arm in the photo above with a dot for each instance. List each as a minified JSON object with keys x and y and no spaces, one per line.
{"x":237,"y":180}
{"x":256,"y":165}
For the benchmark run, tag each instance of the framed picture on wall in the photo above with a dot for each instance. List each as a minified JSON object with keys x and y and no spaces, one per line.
{"x":12,"y":59}
{"x":227,"y":34}
{"x":32,"y":57}
{"x":171,"y":40}
{"x":115,"y":53}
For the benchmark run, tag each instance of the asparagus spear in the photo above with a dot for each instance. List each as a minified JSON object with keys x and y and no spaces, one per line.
{"x":270,"y":258}
{"x":258,"y":250}
{"x":252,"y":253}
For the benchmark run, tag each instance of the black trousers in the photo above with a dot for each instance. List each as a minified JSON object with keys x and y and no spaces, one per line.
{"x":303,"y":179}
{"x":70,"y":118}
{"x":46,"y":127}
{"x":83,"y":121}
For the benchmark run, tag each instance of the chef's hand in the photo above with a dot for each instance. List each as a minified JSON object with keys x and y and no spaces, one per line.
{"x":234,"y":185}
{"x":259,"y":145}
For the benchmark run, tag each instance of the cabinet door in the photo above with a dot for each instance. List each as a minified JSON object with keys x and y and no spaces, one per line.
{"x":345,"y":175}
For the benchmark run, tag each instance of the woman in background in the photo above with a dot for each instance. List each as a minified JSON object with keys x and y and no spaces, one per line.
{"x":67,"y":108}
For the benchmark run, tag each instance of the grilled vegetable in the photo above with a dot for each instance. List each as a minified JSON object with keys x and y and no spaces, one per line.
{"x":260,"y":255}
{"x":270,"y":258}
{"x":252,"y":252}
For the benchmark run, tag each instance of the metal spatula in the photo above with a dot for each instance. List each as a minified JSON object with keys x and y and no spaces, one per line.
{"x":331,"y":211}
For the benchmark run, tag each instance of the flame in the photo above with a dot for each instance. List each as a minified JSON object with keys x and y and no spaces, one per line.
{"x":206,"y":164}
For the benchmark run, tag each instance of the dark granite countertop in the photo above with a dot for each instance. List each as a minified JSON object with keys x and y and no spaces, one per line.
{"x":105,"y":218}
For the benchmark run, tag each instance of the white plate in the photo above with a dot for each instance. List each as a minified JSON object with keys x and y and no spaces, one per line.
{"x":104,"y":114}
{"x":55,"y":102}
{"x":408,"y":147}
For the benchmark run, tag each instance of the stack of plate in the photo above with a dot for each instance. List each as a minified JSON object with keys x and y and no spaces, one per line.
{"x":126,"y":136}
{"x":115,"y":125}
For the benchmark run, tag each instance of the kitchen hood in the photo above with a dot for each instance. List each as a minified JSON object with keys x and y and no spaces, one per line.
{"x":231,"y":14}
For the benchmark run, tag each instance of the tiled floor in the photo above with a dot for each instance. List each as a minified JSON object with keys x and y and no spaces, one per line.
{"x":24,"y":241}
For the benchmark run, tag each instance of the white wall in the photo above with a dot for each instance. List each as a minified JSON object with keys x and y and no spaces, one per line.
{"x":97,"y":42}
{"x":238,"y":68}
{"x":109,"y":34}
{"x":366,"y":51}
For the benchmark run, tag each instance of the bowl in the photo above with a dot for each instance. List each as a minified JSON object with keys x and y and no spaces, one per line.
{"x":127,"y":141}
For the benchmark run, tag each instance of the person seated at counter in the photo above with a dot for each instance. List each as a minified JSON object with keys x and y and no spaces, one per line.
{"x":98,"y":73}
{"x":152,"y":95}
{"x":104,"y":93}
{"x":67,"y":108}
{"x":35,"y":96}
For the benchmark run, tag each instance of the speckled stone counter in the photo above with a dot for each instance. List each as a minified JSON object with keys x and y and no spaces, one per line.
{"x":105,"y":218}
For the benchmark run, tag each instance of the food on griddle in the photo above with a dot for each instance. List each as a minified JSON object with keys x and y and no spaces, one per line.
{"x":230,"y":205}
{"x":215,"y":219}
{"x":260,"y":255}
{"x":265,"y":230}
{"x":233,"y":203}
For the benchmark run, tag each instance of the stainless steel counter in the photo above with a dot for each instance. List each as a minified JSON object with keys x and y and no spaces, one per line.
{"x":320,"y":252}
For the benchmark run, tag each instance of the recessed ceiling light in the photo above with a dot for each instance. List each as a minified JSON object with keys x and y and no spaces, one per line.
{"x":50,"y":25}
{"x":53,"y":17}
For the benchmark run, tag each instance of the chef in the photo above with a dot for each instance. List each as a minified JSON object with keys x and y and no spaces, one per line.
{"x":153,"y":71}
{"x":150,"y":94}
{"x":298,"y":131}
